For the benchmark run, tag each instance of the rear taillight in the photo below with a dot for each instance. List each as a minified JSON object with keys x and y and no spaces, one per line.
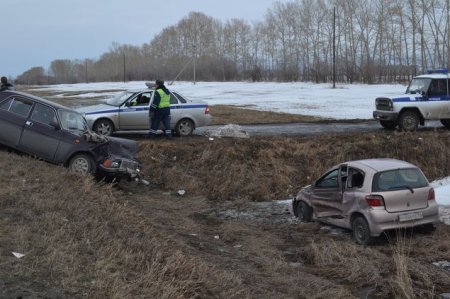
{"x":431,"y":195}
{"x":375,"y":200}
{"x":207,"y":110}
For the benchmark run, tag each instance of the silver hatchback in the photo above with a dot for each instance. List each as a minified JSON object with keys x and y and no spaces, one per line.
{"x":129,"y":111}
{"x":369,"y":197}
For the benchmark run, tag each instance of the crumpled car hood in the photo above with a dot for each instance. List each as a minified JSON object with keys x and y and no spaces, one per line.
{"x":122,"y":147}
{"x":114,"y":146}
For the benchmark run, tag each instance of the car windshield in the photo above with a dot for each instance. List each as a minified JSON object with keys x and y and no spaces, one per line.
{"x":119,"y":99}
{"x":73,"y":122}
{"x":398,"y":179}
{"x":418,"y":85}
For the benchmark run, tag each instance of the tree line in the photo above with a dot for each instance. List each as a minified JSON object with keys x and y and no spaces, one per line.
{"x":370,"y":41}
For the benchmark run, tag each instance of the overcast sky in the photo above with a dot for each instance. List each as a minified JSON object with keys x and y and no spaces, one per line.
{"x":36,"y":32}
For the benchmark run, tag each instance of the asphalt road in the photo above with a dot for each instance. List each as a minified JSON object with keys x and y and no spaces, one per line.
{"x":312,"y":128}
{"x":295,"y":129}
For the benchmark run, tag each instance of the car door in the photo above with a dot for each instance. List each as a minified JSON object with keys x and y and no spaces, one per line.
{"x":133,"y":113}
{"x":14,"y":112}
{"x":175,"y":109}
{"x":353,"y":190}
{"x":436,"y":106}
{"x":41,"y":133}
{"x":327,"y":192}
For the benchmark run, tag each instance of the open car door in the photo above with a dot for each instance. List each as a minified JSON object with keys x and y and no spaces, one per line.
{"x":327,"y":192}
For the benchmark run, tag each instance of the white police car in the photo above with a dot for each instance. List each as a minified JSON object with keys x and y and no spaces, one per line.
{"x":129,"y":111}
{"x":427,"y":98}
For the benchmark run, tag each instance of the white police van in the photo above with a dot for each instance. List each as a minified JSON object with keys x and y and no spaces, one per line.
{"x":427,"y":98}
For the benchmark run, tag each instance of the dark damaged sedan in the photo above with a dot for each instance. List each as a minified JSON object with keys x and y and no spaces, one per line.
{"x":61,"y":136}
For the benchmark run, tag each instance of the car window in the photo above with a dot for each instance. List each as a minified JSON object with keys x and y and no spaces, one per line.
{"x":73,"y":122}
{"x":397,"y":179}
{"x":329,"y":180}
{"x":142,"y":99}
{"x":43,"y":114}
{"x":173,"y":99}
{"x":180,"y":98}
{"x":5,"y":105}
{"x":438,"y":87}
{"x":119,"y":99}
{"x":418,"y":85}
{"x":18,"y":106}
{"x":355,"y":178}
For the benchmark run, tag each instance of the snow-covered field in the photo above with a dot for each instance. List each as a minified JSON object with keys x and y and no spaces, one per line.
{"x":347,"y":101}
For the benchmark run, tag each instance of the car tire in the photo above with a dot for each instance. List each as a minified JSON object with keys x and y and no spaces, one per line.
{"x":184,"y":127}
{"x":428,"y":228}
{"x":446,"y":122}
{"x":104,"y":127}
{"x":83,"y":164}
{"x":388,"y":124}
{"x":409,"y":121}
{"x":304,"y":211}
{"x":361,"y":231}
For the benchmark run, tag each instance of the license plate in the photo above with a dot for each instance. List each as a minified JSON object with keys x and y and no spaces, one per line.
{"x":410,"y":216}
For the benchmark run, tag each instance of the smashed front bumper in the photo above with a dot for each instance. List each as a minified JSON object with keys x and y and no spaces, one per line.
{"x":121,"y":167}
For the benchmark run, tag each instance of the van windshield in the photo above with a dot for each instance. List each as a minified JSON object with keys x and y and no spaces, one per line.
{"x":418,"y":86}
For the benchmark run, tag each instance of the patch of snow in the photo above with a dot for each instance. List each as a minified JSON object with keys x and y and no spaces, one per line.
{"x":230,"y":130}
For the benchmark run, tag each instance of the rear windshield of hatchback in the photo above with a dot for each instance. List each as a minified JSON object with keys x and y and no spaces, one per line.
{"x":397,"y":179}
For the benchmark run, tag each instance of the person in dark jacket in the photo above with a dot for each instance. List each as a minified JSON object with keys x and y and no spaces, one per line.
{"x":160,"y":110}
{"x":6,"y":85}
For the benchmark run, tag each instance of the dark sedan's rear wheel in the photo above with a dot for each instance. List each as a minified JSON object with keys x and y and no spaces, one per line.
{"x":446,"y":122}
{"x":82,"y":163}
{"x":304,"y":211}
{"x":361,"y":231}
{"x":388,"y":124}
{"x":104,"y":127}
{"x":184,"y":127}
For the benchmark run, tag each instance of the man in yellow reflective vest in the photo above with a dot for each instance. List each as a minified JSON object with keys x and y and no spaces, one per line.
{"x":160,"y":110}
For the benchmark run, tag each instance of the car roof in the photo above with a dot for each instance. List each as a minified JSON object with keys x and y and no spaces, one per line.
{"x":434,"y":76}
{"x":39,"y":99}
{"x":381,"y":164}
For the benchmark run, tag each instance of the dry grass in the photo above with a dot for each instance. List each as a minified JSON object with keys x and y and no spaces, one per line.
{"x":87,"y":239}
{"x":223,"y":114}
{"x":81,"y":239}
{"x":268,"y":168}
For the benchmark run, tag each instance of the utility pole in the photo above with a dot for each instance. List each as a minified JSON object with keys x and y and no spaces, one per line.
{"x":195,"y":57}
{"x":334,"y":47}
{"x":85,"y":69}
{"x":123,"y":67}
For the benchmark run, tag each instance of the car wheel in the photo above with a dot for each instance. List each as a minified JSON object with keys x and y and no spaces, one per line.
{"x":409,"y":121}
{"x":304,"y":211}
{"x":104,"y":127}
{"x":184,"y":127}
{"x":361,"y":231}
{"x":388,"y":124}
{"x":446,"y":122}
{"x":82,"y":163}
{"x":428,"y":228}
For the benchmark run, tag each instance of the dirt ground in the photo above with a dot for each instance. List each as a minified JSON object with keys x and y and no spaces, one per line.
{"x":224,"y":238}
